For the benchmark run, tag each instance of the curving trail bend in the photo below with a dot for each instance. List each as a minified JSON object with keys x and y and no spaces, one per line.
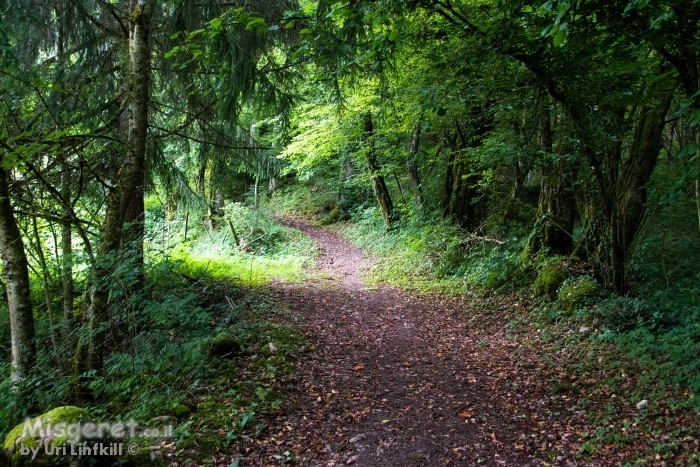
{"x":393,"y":379}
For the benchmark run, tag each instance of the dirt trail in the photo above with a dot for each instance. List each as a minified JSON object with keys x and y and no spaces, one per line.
{"x":391,"y":379}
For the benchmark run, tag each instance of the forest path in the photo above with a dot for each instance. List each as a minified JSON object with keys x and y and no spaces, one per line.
{"x":392,"y":379}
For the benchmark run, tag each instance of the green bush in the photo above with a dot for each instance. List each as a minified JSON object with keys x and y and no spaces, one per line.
{"x":425,"y":253}
{"x":551,"y":276}
{"x":578,"y":292}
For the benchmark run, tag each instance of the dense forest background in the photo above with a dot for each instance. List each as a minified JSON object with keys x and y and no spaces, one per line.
{"x":541,"y":150}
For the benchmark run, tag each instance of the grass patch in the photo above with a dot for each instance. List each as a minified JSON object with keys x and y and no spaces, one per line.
{"x":265,"y":250}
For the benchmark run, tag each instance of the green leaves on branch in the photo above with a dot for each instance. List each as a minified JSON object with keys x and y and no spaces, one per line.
{"x":559,"y":28}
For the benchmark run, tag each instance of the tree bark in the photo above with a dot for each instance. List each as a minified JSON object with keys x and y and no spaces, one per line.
{"x":67,"y":248}
{"x":378,"y":184}
{"x":631,"y":191}
{"x":255,"y":193}
{"x":462,"y":177}
{"x":66,"y":214}
{"x":132,"y":202}
{"x":697,"y":199}
{"x":90,"y":353}
{"x":556,"y":209}
{"x":16,"y":275}
{"x":412,"y":165}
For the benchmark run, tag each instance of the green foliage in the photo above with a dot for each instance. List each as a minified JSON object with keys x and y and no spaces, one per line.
{"x":266,"y":249}
{"x":574,"y":293}
{"x":433,"y":255}
{"x":492,"y":267}
{"x":160,"y":336}
{"x":313,"y":201}
{"x":551,"y":276}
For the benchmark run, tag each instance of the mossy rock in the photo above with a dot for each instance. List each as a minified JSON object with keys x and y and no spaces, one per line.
{"x":37,"y":438}
{"x":576,"y":293}
{"x":551,"y":276}
{"x":224,"y":347}
{"x":49,"y":431}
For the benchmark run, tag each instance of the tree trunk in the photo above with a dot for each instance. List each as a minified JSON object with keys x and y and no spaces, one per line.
{"x":556,"y":209}
{"x":67,"y":248}
{"x":521,"y":172}
{"x":219,"y":202}
{"x":135,"y":176}
{"x":412,"y":165}
{"x":378,"y":184}
{"x":255,"y":193}
{"x":461,"y":206}
{"x":90,"y":353}
{"x":46,"y":283}
{"x":697,"y":193}
{"x":626,"y":219}
{"x":271,"y":186}
{"x":135,"y":229}
{"x":16,"y":275}
{"x":66,"y":214}
{"x":464,"y":177}
{"x":449,"y":175}
{"x":233,"y":232}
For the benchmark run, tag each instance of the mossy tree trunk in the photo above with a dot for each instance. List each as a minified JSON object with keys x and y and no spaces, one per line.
{"x":617,"y":208}
{"x":618,"y":201}
{"x":627,"y":215}
{"x":378,"y":183}
{"x":16,"y":275}
{"x":462,"y":175}
{"x":412,"y":165}
{"x":90,"y":352}
{"x":554,"y":226}
{"x":67,"y":247}
{"x":139,"y":96}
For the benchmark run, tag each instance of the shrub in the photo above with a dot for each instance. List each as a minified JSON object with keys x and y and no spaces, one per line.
{"x":551,"y":276}
{"x":577,"y":292}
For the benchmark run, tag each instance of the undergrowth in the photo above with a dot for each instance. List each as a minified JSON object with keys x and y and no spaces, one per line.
{"x":200,"y":285}
{"x":433,"y":255}
{"x":265,"y":249}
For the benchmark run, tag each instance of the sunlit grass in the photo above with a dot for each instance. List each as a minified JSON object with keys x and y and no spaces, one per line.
{"x":266,"y":250}
{"x":250,"y":269}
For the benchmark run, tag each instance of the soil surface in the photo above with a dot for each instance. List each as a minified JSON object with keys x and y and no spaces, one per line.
{"x":389,"y":378}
